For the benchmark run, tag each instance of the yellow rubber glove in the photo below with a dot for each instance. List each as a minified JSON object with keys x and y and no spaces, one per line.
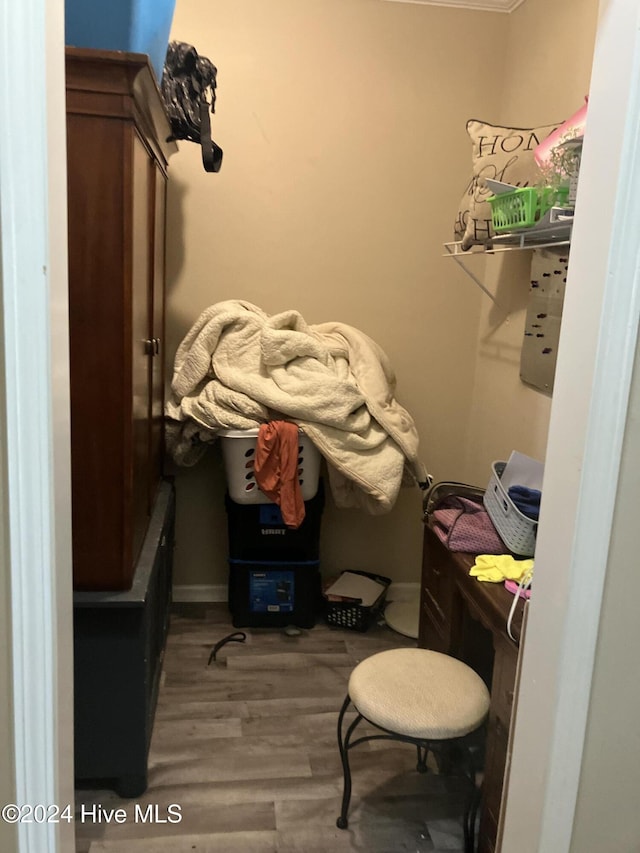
{"x":499,"y":567}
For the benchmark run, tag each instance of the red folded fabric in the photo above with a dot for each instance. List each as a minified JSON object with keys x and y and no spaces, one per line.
{"x":276,"y":469}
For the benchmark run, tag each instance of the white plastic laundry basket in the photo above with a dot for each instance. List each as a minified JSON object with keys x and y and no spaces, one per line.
{"x":517,"y":531}
{"x":238,"y":453}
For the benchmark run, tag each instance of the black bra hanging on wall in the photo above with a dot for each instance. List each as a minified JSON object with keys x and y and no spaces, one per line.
{"x":189,"y":93}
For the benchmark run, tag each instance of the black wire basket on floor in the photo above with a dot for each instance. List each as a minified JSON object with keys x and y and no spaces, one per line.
{"x":352,"y":613}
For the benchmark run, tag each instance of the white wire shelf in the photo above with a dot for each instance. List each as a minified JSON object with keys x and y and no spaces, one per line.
{"x":543,"y":235}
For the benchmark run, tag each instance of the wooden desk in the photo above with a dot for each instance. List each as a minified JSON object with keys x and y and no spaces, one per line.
{"x":466,"y":618}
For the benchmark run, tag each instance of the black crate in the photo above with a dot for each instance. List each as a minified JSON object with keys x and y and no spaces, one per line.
{"x":351,"y":614}
{"x":274,"y":594}
{"x":257,"y":531}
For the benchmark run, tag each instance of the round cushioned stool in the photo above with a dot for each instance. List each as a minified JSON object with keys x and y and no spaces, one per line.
{"x":419,"y":697}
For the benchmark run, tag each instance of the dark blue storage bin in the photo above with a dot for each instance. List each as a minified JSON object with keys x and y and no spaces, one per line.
{"x":274,"y":594}
{"x":257,"y":531}
{"x":134,"y":26}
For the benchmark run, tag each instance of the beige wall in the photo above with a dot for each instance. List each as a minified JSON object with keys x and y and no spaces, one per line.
{"x":548,"y":57}
{"x":343,"y":125}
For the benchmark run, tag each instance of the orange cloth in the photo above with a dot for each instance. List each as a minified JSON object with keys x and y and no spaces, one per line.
{"x":276,"y":469}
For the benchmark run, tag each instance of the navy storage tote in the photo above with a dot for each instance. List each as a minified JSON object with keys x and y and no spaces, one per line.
{"x":134,"y":26}
{"x":274,"y":594}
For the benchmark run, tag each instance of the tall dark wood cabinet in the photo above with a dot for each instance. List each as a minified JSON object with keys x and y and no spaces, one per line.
{"x":123,"y":511}
{"x":117,"y":175}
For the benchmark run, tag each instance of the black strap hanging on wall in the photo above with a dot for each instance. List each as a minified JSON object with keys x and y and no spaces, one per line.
{"x":188,"y":81}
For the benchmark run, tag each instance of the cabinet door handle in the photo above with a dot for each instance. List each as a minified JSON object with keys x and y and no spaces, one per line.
{"x":157,"y":345}
{"x":149,"y":347}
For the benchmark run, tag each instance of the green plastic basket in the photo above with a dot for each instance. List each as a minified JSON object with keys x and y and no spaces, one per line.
{"x":523,"y":207}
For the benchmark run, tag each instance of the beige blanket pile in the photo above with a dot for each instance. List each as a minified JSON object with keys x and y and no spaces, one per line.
{"x":238,"y":367}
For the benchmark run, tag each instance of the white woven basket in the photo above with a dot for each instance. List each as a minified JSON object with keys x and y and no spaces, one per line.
{"x":516,"y":530}
{"x":238,"y":454}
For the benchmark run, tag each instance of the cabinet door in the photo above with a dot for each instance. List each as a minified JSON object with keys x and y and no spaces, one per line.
{"x":142,"y":346}
{"x":98,"y":355}
{"x":157,"y":361}
{"x":116,"y":141}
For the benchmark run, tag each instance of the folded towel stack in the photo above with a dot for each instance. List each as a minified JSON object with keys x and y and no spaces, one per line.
{"x":526,"y":500}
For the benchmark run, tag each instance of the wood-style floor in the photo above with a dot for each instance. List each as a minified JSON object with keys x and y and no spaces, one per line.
{"x":247,"y":748}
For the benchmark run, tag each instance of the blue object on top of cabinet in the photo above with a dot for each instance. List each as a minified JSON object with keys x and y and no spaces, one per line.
{"x":135,"y":26}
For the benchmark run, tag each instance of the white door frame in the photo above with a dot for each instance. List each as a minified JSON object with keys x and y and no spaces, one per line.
{"x":33,"y":235}
{"x":587,"y":422}
{"x":588,"y":417}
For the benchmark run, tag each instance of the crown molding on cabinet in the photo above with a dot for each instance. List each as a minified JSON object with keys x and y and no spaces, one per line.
{"x":482,"y":5}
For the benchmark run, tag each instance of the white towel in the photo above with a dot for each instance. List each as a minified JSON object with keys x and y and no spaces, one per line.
{"x":238,"y":367}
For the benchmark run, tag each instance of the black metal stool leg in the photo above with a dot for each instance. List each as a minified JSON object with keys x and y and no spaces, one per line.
{"x":444,"y":758}
{"x":473,"y":804}
{"x":343,"y":744}
{"x":470,"y":820}
{"x":423,"y":752}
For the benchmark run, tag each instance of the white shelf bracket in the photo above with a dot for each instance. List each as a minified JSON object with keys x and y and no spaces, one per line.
{"x":546,"y":234}
{"x":456,"y":257}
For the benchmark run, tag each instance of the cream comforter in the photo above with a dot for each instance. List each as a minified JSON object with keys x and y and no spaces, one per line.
{"x":238,"y":367}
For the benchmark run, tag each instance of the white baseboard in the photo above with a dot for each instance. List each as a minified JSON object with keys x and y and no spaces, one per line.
{"x":200,"y":592}
{"x":218,"y":592}
{"x":403,"y":592}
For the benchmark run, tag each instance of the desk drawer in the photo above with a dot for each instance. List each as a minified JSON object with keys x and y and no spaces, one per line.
{"x":503,"y":683}
{"x":497,"y":748}
{"x":434,"y":633}
{"x":487,"y":834}
{"x":437,"y":583}
{"x":495,"y":763}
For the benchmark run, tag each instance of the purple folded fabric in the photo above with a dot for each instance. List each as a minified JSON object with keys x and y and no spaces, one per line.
{"x":464,"y":525}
